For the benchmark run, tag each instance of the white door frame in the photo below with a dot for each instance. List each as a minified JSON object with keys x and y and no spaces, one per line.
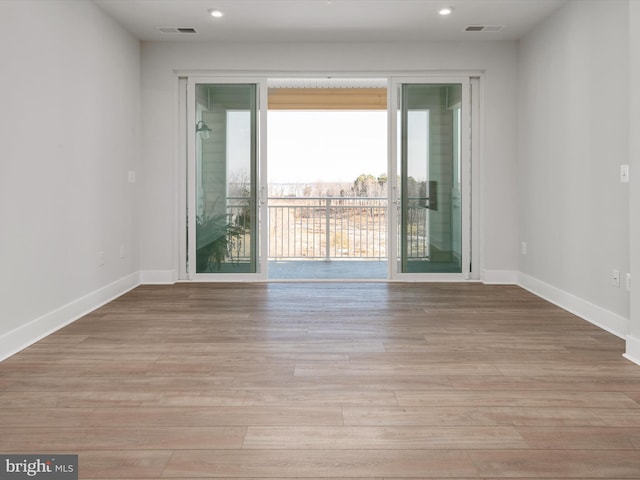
{"x":184,"y":152}
{"x":261,"y":181}
{"x":466,"y":175}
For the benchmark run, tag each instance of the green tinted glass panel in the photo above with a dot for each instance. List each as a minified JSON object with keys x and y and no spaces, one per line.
{"x":226,"y":223}
{"x":430,"y":210}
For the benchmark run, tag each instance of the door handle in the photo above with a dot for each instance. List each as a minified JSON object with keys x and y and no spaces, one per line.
{"x":263,"y":198}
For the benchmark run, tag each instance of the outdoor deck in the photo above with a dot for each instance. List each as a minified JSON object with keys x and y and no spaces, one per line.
{"x":327,"y":270}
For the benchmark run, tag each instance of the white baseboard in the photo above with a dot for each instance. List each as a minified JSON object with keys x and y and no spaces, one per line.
{"x":633,"y":349}
{"x":158,"y":277}
{"x":500,"y":277}
{"x":600,"y":317}
{"x":20,"y":338}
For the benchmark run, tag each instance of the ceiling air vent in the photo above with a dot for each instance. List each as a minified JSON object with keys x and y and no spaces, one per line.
{"x":177,"y":30}
{"x":483,"y":28}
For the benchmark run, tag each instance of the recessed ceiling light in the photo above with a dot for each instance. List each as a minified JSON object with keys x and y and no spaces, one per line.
{"x":445,"y":11}
{"x":216,"y":13}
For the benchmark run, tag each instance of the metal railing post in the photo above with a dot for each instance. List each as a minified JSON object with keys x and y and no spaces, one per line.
{"x":327,"y":232}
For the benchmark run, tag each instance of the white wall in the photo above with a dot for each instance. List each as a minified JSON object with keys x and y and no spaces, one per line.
{"x":161,"y":60}
{"x":633,"y":341}
{"x":573,"y":136}
{"x":69,"y":133}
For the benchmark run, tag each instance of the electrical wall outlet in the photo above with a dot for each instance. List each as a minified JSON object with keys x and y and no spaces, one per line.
{"x":523,"y":248}
{"x":132,"y":176}
{"x":628,"y":282}
{"x":101,"y":258}
{"x":624,"y":173}
{"x":615,"y":278}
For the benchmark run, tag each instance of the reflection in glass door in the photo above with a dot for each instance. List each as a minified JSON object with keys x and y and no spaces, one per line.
{"x":223,"y":220}
{"x":431,"y":234}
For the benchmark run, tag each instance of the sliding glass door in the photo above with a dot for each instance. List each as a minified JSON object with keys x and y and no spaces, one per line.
{"x":429,"y":179}
{"x":432,"y":201}
{"x":224,"y":180}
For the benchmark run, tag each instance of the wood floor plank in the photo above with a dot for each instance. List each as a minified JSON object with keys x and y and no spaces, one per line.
{"x":576,"y":383}
{"x":61,"y":358}
{"x":180,"y":416}
{"x":377,"y":383}
{"x":524,"y":398}
{"x":581,"y":438}
{"x":423,"y":348}
{"x":602,"y":464}
{"x":27,"y":418}
{"x":372,"y":438}
{"x":133,"y":383}
{"x":320,"y":463}
{"x":485,"y":416}
{"x":213,"y":398}
{"x":536,"y":370}
{"x":244,"y":358}
{"x":120,"y":438}
{"x":394,"y":369}
{"x":557,"y":356}
{"x":489,"y":383}
{"x":44,"y":369}
{"x":121,"y":464}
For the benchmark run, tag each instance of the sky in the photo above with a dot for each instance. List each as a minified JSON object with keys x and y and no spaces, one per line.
{"x":325,"y":146}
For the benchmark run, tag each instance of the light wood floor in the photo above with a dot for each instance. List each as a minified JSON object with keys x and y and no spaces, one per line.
{"x":327,"y":380}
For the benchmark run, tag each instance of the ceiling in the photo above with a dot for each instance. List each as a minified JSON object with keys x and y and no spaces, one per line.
{"x":328,"y":20}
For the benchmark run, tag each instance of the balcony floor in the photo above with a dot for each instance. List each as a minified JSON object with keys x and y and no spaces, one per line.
{"x":327,"y":270}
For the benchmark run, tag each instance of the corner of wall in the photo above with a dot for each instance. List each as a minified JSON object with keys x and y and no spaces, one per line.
{"x":31,"y":332}
{"x":598,"y":316}
{"x":633,"y":349}
{"x":499,"y":277}
{"x":20,"y":338}
{"x":158,"y":277}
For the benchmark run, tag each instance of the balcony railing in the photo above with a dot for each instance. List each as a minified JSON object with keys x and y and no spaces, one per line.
{"x":332,"y":228}
{"x":328,"y":228}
